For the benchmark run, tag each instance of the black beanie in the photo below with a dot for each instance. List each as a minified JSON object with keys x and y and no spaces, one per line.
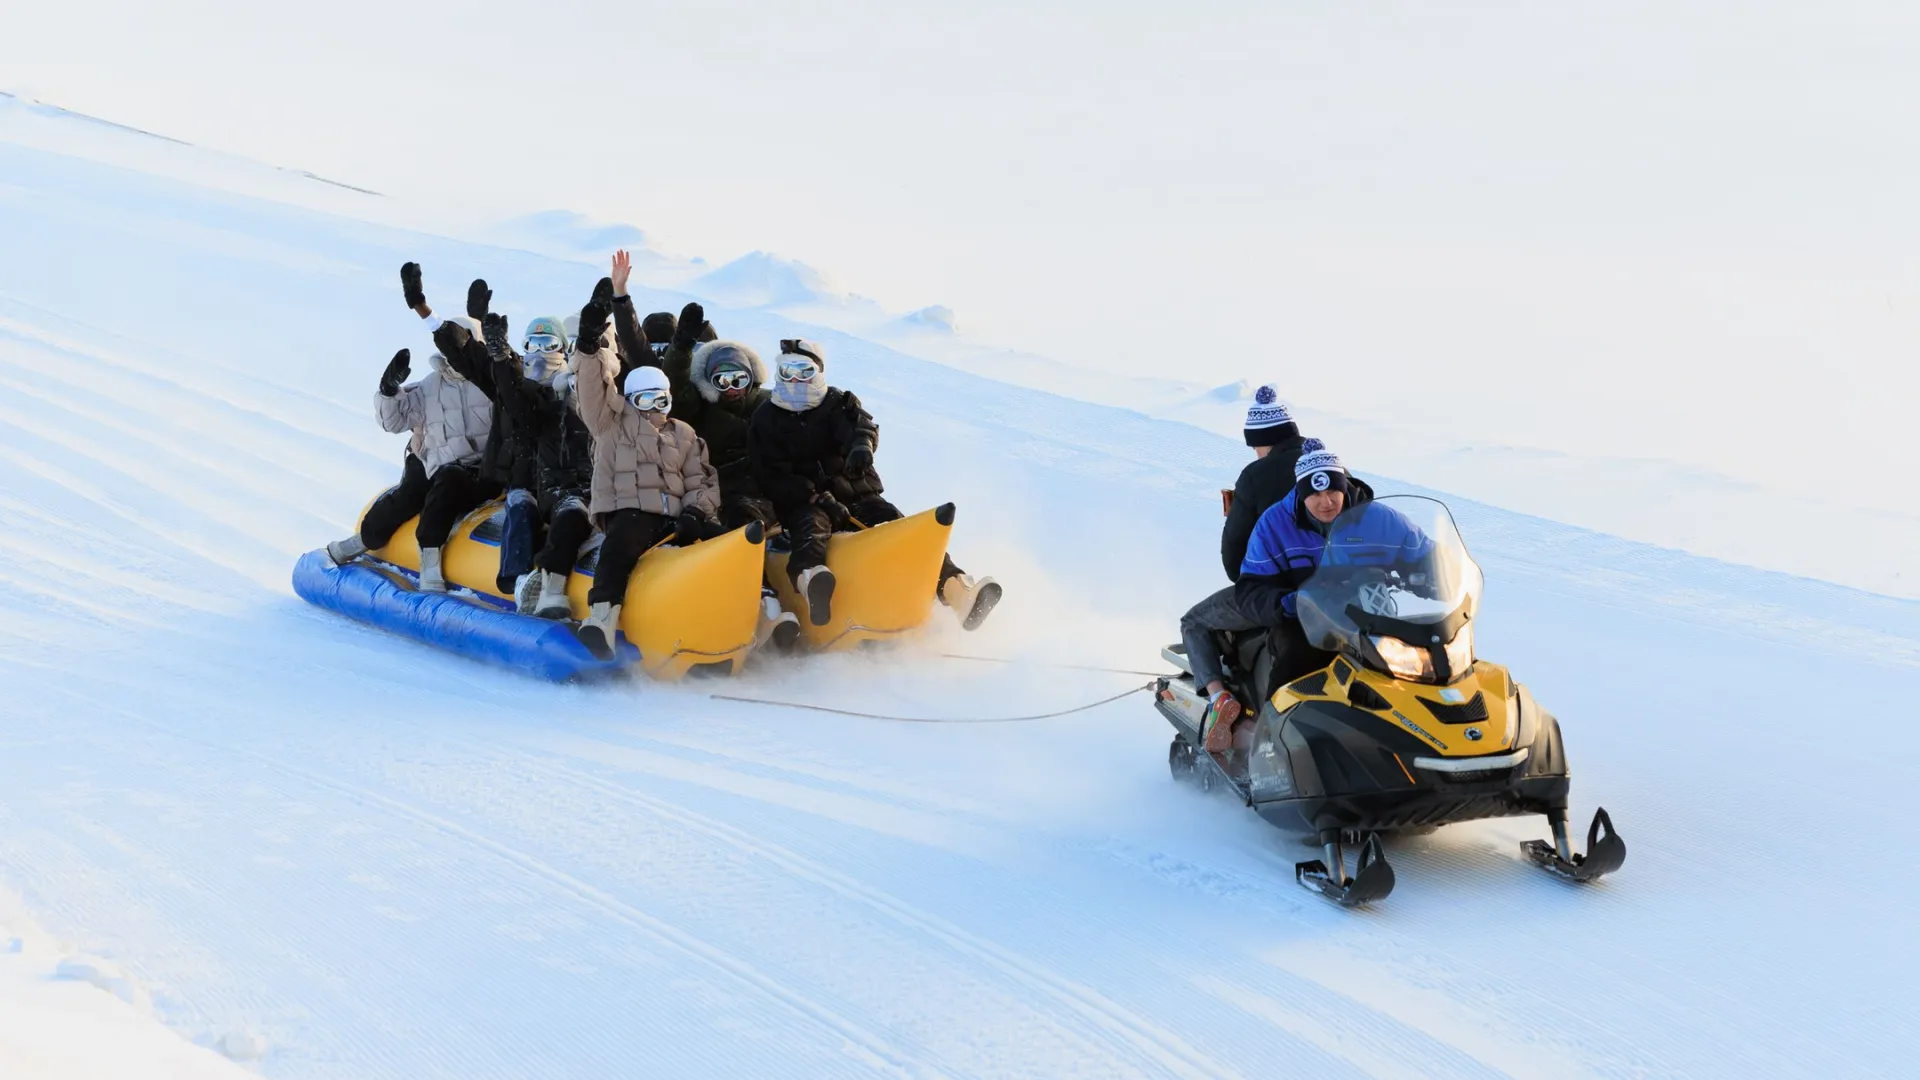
{"x":658,"y":327}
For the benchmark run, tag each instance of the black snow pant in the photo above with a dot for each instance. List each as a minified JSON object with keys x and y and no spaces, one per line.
{"x":629,"y":534}
{"x":809,"y":527}
{"x":1292,"y":657}
{"x":452,"y":493}
{"x":395,"y":505}
{"x":739,"y":510}
{"x":567,"y":529}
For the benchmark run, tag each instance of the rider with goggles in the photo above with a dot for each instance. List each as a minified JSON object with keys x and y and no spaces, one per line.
{"x":812,"y":453}
{"x":651,"y":476}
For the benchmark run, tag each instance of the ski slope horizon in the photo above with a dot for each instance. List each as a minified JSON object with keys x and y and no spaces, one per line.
{"x":383,"y":861}
{"x":1660,"y":472}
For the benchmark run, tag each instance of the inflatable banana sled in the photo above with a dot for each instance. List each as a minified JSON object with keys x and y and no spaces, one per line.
{"x":686,"y":609}
{"x":884,"y":580}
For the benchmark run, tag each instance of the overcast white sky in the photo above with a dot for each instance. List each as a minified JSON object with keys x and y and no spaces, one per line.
{"x":1631,"y":214}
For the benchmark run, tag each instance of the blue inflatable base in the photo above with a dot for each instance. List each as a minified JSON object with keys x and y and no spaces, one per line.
{"x":494,"y":635}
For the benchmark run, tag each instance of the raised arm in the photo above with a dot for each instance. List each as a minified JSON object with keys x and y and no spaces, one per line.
{"x":595,"y":388}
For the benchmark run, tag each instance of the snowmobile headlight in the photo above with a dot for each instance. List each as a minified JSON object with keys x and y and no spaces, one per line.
{"x":1403,"y":660}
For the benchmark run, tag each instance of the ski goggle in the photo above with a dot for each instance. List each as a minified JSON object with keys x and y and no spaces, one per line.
{"x":649,"y":400}
{"x":545,"y":343}
{"x":732,"y":380}
{"x":795,"y":368}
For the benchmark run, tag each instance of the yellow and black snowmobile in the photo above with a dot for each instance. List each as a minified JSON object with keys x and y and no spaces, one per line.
{"x":1403,"y":730}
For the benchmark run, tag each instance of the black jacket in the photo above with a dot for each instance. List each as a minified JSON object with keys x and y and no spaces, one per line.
{"x":1262,"y":483}
{"x":503,"y":460}
{"x":722,"y":424}
{"x":549,"y":430}
{"x":796,"y":456}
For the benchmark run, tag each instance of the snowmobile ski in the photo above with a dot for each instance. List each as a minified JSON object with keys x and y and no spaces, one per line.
{"x":1604,"y":854}
{"x":1372,"y":878}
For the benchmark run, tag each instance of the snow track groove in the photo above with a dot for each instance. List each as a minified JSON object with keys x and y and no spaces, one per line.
{"x":1112,"y":1024}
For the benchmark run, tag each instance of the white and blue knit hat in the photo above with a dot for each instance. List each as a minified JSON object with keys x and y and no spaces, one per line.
{"x":1318,"y":469}
{"x":1269,"y":421}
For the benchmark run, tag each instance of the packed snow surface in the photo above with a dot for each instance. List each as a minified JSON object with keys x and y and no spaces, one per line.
{"x":340,"y":854}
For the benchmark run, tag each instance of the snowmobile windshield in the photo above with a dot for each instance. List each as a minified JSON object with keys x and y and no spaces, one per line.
{"x":1396,"y":590}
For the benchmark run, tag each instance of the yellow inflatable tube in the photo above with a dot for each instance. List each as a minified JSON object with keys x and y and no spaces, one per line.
{"x":884,"y":580}
{"x":686,"y":608}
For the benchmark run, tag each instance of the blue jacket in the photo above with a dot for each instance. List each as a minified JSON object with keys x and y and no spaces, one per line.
{"x":1288,"y":545}
{"x":1281,"y":555}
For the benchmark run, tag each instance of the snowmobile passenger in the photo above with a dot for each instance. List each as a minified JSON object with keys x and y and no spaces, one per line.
{"x":538,"y":394}
{"x":1275,"y":439}
{"x":811,"y":448}
{"x":651,"y":477}
{"x":451,"y":420}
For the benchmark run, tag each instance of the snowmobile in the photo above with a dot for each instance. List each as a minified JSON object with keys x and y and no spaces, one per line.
{"x":687,"y":609}
{"x":1395,"y":726}
{"x":884,"y":580}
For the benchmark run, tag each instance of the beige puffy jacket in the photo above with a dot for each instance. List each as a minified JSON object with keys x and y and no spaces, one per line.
{"x":635,"y":464}
{"x":448,"y":416}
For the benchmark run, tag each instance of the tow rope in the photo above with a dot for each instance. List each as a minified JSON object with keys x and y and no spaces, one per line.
{"x":934,"y":719}
{"x":1057,"y":667}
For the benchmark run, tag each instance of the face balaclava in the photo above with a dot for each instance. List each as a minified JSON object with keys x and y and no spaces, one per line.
{"x":800,"y":393}
{"x":544,"y":365}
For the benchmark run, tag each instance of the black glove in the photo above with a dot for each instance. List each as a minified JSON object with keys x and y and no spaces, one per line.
{"x":495,"y":327}
{"x":451,"y":338}
{"x":686,"y":332}
{"x":478,"y":297}
{"x":836,"y":514}
{"x":410,"y":284}
{"x":397,"y":371}
{"x":691,"y":528}
{"x":859,"y":459}
{"x":593,"y":323}
{"x":603,"y":291}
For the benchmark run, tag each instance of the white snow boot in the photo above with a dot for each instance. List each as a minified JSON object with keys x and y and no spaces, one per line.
{"x":430,"y":579}
{"x":597,"y":633}
{"x":971,"y":598}
{"x":526,"y":593}
{"x":776,"y":624}
{"x":816,"y":588}
{"x":553,"y":597}
{"x":345,"y":551}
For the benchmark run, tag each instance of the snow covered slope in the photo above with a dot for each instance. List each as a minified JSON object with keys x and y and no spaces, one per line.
{"x":389,"y":863}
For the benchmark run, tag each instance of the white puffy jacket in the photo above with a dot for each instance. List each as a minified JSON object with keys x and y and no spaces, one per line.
{"x":448,"y":416}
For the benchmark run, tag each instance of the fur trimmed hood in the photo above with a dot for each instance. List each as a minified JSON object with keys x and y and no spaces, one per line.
{"x":711,"y":353}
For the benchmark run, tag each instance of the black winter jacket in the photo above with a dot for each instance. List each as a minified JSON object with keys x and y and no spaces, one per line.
{"x":1262,"y":483}
{"x":796,"y":456}
{"x":505,"y":460}
{"x":550,"y":431}
{"x":722,"y":425}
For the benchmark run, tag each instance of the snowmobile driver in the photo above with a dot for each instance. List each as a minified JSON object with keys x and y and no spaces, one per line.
{"x":1282,"y":554}
{"x":451,"y":422}
{"x":811,"y":447}
{"x":651,"y":477}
